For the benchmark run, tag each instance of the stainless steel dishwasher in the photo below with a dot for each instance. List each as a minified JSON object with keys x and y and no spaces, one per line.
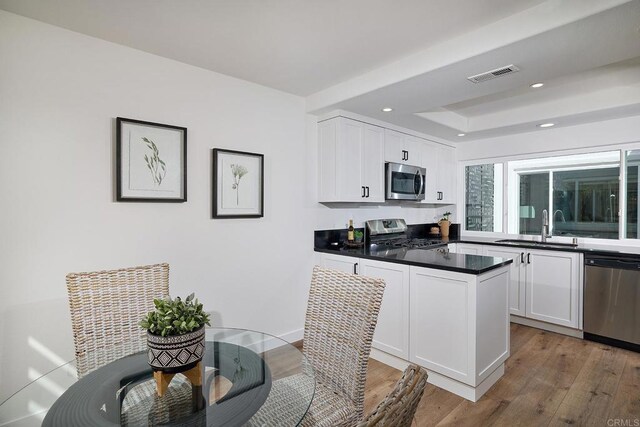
{"x":612,"y":300}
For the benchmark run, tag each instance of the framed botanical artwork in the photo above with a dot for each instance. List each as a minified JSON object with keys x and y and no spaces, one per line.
{"x":151,"y":162}
{"x":238,"y":184}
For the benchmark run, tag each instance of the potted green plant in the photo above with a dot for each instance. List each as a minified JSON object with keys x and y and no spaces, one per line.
{"x":175,"y":333}
{"x":444,"y":224}
{"x":358,"y":236}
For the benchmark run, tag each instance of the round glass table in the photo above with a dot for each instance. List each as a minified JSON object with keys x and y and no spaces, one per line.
{"x":249,"y":379}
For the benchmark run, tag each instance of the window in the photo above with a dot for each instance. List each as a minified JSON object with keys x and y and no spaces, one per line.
{"x":581,"y":194}
{"x":534,"y":198}
{"x":483,"y":197}
{"x":632,"y":230}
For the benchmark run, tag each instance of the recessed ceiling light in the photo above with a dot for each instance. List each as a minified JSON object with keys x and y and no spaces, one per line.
{"x":537,"y":85}
{"x":387,"y":109}
{"x":546,"y":125}
{"x":461,"y":134}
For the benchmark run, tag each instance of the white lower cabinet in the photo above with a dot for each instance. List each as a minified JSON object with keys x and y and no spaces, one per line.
{"x":392,"y":330}
{"x":544,"y":285}
{"x":517,"y":283}
{"x":346,"y":264}
{"x":464,"y":248}
{"x":459,"y":327}
{"x":553,"y":287}
{"x":454,"y":324}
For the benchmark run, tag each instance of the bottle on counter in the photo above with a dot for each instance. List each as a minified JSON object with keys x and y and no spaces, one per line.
{"x":350,"y":232}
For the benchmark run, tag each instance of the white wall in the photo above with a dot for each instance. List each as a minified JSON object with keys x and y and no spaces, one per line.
{"x":59,"y":94}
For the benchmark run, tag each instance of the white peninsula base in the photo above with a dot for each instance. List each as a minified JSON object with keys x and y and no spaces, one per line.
{"x":458,"y":329}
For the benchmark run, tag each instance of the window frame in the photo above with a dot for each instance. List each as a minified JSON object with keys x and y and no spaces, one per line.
{"x":462,"y":200}
{"x":622,"y":239}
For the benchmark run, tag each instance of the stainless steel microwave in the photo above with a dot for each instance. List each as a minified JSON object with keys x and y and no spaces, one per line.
{"x":404,"y":182}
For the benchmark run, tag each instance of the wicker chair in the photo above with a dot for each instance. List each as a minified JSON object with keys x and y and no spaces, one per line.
{"x":399,"y":407}
{"x":106,"y":307}
{"x":341,"y":317}
{"x":342,"y":313}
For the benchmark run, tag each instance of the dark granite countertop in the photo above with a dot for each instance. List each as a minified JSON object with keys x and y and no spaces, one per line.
{"x":428,"y":258}
{"x":470,"y":264}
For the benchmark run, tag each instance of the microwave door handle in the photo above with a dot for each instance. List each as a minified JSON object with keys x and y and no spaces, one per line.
{"x":421,"y":184}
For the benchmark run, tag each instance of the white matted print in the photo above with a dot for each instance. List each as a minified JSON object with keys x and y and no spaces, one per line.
{"x":151,"y":162}
{"x":238,"y":184}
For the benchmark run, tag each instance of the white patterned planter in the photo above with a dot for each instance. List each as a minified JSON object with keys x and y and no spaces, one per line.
{"x":175,"y":353}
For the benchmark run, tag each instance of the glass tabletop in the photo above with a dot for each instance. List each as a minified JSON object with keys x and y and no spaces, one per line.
{"x":249,"y":378}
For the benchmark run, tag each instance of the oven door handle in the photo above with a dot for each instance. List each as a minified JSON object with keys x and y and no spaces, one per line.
{"x":421,"y":184}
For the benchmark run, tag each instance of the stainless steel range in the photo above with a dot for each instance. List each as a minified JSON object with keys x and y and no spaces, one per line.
{"x":393,"y":233}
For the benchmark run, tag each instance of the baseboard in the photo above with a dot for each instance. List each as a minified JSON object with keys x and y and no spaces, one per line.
{"x":576,"y":333}
{"x":464,"y":390}
{"x":293,"y":336}
{"x":456,"y":387}
{"x":388,"y":359}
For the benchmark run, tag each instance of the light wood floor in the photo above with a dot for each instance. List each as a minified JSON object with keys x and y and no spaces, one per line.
{"x":550,"y":379}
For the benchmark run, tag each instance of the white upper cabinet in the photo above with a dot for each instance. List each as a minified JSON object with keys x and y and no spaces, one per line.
{"x":373,"y":163}
{"x":440,"y":163}
{"x":446,"y":176}
{"x":352,"y":154}
{"x":350,"y":161}
{"x":402,"y":148}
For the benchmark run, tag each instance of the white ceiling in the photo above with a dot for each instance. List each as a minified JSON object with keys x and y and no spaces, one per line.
{"x":412,"y":55}
{"x":296,"y":46}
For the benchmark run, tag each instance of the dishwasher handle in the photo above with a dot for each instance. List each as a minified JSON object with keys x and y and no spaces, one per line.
{"x":613,"y":263}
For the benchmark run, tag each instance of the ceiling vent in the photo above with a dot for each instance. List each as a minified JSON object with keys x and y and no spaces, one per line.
{"x":498,"y":72}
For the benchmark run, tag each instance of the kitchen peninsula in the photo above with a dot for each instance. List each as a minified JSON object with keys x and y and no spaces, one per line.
{"x":445,"y":311}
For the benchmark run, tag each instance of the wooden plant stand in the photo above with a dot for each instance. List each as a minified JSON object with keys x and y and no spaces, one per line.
{"x":194,"y":375}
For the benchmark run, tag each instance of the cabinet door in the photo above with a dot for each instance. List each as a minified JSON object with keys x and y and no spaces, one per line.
{"x":446,"y":178}
{"x":345,"y":264}
{"x":393,"y":146}
{"x":327,"y":146}
{"x":392,"y":330}
{"x":429,"y":160}
{"x":440,"y":323}
{"x":349,"y":152}
{"x":517,"y":283}
{"x":553,"y":287}
{"x":413,"y":148}
{"x":373,"y":164}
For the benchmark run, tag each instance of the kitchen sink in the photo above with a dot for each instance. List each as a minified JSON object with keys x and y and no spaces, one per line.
{"x":537,"y":243}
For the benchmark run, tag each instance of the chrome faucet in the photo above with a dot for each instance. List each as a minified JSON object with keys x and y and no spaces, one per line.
{"x":558,"y":211}
{"x":545,"y":226}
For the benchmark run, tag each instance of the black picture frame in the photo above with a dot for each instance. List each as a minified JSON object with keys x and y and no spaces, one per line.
{"x":174,"y":143}
{"x":223,"y":180}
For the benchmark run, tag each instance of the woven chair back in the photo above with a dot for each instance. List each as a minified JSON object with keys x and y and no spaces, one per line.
{"x":341,"y":318}
{"x":106,"y":308}
{"x":399,"y":406}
